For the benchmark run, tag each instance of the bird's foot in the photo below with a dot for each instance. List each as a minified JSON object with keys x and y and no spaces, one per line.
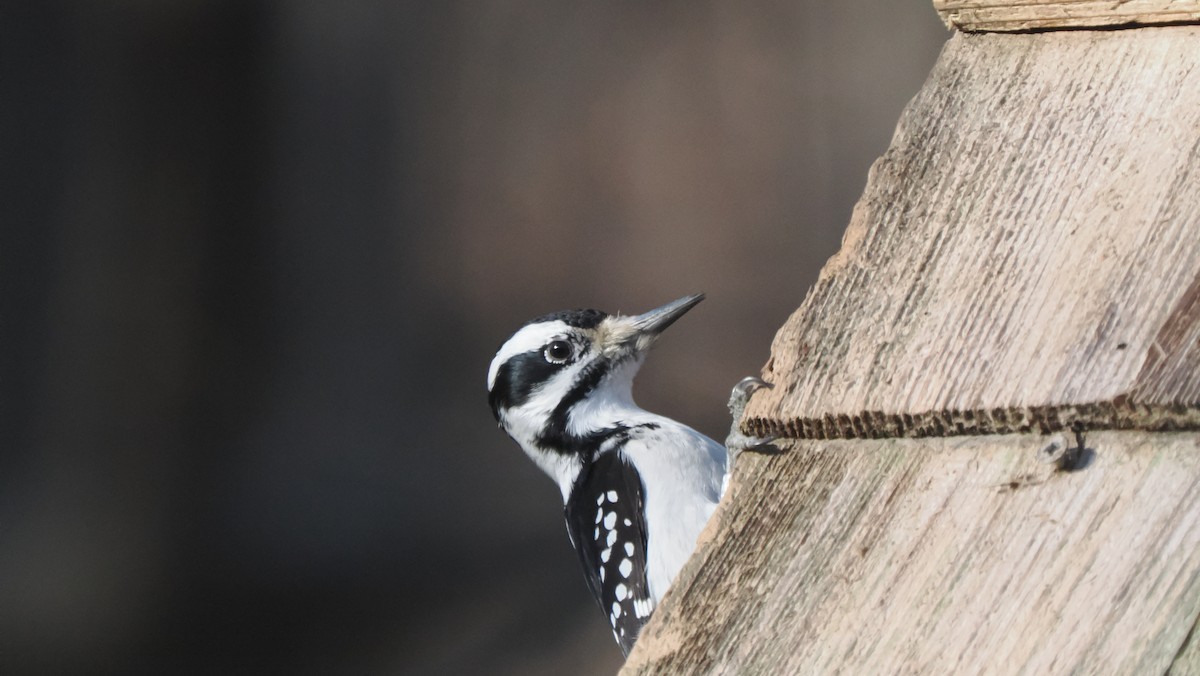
{"x":737,"y":442}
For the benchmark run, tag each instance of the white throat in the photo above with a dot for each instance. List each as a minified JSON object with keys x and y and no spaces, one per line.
{"x":609,"y":405}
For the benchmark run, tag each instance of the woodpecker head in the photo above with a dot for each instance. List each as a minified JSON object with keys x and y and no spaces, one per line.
{"x":560,"y":384}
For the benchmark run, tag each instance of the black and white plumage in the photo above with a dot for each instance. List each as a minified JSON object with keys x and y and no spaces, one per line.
{"x":637,"y":487}
{"x":608,"y":530}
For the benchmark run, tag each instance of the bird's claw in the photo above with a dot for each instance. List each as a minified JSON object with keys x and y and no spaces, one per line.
{"x":740,"y":395}
{"x":737,"y":442}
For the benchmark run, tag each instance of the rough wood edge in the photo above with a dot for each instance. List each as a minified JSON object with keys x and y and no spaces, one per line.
{"x":1026,"y":15}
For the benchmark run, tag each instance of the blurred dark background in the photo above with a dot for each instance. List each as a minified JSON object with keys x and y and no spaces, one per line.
{"x":256,"y":257}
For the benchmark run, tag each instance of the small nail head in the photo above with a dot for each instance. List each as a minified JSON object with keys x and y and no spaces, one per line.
{"x":1053,"y":451}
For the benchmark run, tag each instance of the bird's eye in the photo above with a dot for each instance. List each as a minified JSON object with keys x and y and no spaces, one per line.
{"x":559,"y":351}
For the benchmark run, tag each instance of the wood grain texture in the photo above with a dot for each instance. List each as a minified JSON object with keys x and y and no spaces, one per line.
{"x":1024,"y":15}
{"x":1188,"y":659}
{"x":946,"y":555}
{"x":1025,"y":255}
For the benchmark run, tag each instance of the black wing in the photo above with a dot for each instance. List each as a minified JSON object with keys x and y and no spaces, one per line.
{"x":605,"y":522}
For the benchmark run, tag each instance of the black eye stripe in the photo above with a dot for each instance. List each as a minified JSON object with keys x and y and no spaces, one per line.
{"x":519,"y":377}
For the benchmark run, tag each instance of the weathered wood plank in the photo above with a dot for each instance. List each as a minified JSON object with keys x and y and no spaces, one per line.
{"x":1025,"y":255}
{"x":1023,"y":15}
{"x":946,"y":555}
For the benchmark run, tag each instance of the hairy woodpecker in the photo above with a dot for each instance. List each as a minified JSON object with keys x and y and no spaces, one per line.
{"x":637,"y":487}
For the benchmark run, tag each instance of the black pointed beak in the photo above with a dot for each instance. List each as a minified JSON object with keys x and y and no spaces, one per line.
{"x":635,"y":334}
{"x":654,"y":322}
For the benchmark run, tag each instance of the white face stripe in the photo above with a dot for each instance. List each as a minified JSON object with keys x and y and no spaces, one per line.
{"x":530,"y":337}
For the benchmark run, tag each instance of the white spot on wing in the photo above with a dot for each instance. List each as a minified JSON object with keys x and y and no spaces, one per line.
{"x":616,"y":609}
{"x":622,"y":591}
{"x":610,"y":520}
{"x":612,"y":537}
{"x":604,"y":555}
{"x":626,"y":567}
{"x":629,"y":549}
{"x":612,"y":496}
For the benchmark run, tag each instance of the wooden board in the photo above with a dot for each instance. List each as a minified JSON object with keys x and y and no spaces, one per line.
{"x":1025,"y":255}
{"x":1023,"y":15}
{"x":947,"y":555}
